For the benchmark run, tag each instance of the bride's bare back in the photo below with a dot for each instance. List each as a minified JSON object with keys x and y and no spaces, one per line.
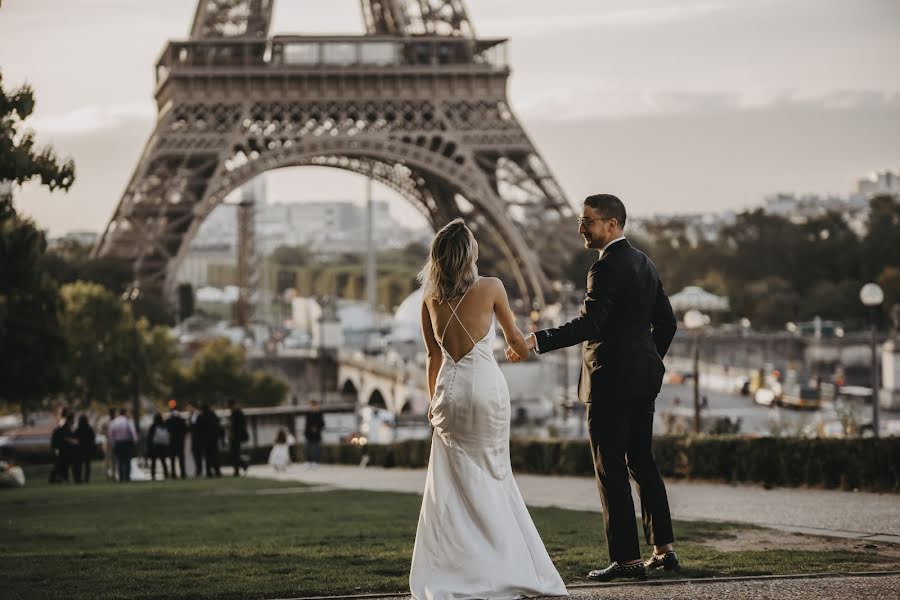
{"x":475,"y":310}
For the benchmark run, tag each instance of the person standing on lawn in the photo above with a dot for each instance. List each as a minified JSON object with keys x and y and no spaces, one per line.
{"x":312,"y":431}
{"x":87,"y":446}
{"x":177,"y":427}
{"x":158,"y":446}
{"x":124,"y":439}
{"x":626,"y":326}
{"x":237,"y":435}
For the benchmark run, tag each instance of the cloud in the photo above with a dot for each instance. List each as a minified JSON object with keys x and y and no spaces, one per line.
{"x":563,"y":21}
{"x":574,"y":104}
{"x":90,"y":119}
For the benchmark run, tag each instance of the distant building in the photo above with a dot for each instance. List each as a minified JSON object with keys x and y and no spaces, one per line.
{"x":81,"y":237}
{"x":879,"y":183}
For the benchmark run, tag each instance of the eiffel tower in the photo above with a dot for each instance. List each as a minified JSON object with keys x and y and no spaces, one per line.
{"x":417,"y":103}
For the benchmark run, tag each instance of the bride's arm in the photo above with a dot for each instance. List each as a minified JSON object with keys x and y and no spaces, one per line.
{"x":507,"y":320}
{"x":434,"y":356}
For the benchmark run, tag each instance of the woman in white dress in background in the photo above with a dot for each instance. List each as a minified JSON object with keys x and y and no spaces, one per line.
{"x":475,"y":538}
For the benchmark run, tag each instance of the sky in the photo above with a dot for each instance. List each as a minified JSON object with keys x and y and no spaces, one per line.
{"x":673,"y":105}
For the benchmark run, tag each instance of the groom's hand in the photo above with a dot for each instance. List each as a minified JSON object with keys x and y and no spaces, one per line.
{"x":531,"y":342}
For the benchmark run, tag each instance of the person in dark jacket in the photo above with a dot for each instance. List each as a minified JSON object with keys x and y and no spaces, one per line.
{"x":196,"y":440}
{"x":87,"y":446}
{"x":210,"y":432}
{"x":64,"y":445}
{"x":625,"y":328}
{"x":312,"y":431}
{"x":177,"y":427}
{"x":237,"y":435}
{"x":158,"y":443}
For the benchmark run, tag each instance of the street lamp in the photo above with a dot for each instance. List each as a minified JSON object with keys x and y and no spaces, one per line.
{"x":872,"y":296}
{"x":694,"y":320}
{"x":130,"y":296}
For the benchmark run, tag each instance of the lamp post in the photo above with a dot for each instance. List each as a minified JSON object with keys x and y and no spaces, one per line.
{"x":872,"y":296}
{"x":694,"y":320}
{"x":130,"y":296}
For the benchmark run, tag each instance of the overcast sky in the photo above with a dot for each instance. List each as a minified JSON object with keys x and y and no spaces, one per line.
{"x":674,"y":105}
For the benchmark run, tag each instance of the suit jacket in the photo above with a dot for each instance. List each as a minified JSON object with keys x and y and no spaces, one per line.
{"x":626,"y":326}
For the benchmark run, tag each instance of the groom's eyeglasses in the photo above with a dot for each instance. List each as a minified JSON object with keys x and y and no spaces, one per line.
{"x":587,"y":221}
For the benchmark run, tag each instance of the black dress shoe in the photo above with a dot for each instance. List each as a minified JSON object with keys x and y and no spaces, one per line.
{"x":619,"y":571}
{"x":667,"y":561}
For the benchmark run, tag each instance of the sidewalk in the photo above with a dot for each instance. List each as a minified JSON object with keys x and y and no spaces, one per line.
{"x":858,"y":515}
{"x":795,"y":588}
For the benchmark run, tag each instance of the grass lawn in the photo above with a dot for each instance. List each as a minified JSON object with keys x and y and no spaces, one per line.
{"x":249,"y":538}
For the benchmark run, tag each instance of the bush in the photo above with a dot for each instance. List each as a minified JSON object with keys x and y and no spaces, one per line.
{"x":847,"y":464}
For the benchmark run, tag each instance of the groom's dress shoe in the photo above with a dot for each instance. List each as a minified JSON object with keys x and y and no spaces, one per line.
{"x":619,"y":571}
{"x":667,"y":561}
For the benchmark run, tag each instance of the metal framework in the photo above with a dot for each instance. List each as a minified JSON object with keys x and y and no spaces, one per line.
{"x":418,"y":104}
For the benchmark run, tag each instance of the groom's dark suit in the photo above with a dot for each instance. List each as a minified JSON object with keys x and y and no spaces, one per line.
{"x":626,"y":325}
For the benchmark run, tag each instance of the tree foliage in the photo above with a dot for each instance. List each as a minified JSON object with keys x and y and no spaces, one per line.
{"x":774,"y":270}
{"x":31,"y":345}
{"x":20,"y":159}
{"x":218,"y":374}
{"x":110,"y":352}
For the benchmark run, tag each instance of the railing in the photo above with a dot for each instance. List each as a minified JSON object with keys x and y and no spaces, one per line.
{"x":333,"y":52}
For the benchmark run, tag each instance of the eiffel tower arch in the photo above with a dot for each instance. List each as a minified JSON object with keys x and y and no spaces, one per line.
{"x":417,"y":103}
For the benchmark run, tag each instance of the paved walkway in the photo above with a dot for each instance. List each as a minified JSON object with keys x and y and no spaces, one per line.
{"x":795,"y":588}
{"x":858,"y":515}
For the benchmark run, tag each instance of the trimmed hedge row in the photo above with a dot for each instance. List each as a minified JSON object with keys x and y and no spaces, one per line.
{"x":846,"y":464}
{"x":866,"y":464}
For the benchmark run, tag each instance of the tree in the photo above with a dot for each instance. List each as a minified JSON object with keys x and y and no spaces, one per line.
{"x":110,"y":352}
{"x":103,"y":350}
{"x":218,"y":373}
{"x":31,"y":345}
{"x":881,"y":245}
{"x":20,"y":161}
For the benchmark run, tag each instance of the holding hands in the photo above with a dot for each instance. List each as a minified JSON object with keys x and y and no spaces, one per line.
{"x":514,"y":356}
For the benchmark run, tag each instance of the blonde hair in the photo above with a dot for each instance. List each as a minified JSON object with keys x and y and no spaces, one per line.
{"x":450,"y":269}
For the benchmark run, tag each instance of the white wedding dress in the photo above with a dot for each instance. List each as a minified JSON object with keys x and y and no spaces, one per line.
{"x":475,"y":538}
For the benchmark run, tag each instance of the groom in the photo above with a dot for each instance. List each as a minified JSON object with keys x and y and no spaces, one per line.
{"x":626,"y":325}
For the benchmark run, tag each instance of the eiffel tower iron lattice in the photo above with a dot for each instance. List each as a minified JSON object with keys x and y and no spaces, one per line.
{"x":417,"y":103}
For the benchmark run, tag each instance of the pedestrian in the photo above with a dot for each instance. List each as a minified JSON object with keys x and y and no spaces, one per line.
{"x":312,"y":431}
{"x":109,"y":457}
{"x":64,"y":445}
{"x":177,"y":427}
{"x":196,"y":440}
{"x":158,"y":441}
{"x":211,"y":435}
{"x":280,"y":455}
{"x":124,"y":439}
{"x":87,"y":446}
{"x":237,"y":435}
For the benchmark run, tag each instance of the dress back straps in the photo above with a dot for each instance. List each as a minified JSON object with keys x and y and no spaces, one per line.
{"x":453,"y":309}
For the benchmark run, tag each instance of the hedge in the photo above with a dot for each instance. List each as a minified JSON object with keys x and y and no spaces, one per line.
{"x":866,"y":464}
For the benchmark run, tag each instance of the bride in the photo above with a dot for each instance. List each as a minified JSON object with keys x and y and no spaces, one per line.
{"x":475,"y":538}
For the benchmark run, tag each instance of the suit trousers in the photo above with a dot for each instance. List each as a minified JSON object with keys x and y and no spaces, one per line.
{"x":621,"y":433}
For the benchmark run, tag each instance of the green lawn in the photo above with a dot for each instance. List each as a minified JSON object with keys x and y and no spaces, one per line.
{"x":248,"y":538}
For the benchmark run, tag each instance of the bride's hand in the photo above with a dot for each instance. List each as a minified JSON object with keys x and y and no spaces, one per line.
{"x":429,"y":413}
{"x":511,"y":355}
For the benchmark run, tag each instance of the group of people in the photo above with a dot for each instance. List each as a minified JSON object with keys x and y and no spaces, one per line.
{"x":74,"y":448}
{"x":167,"y":441}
